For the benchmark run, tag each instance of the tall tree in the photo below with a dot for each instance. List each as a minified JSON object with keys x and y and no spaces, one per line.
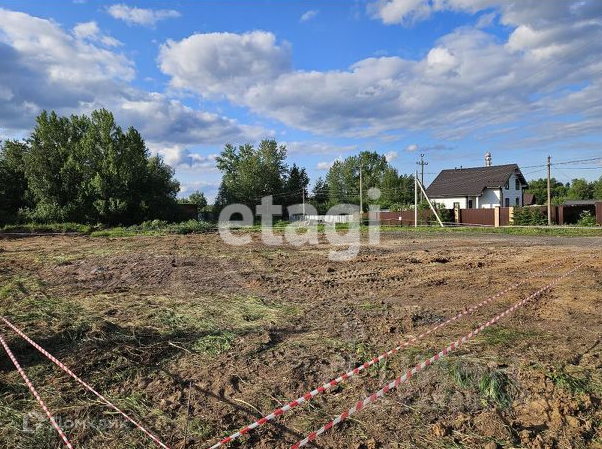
{"x":88,"y":169}
{"x":197,"y":197}
{"x":343,"y":180}
{"x":249,"y":173}
{"x":598,"y":189}
{"x":13,"y":183}
{"x":581,"y":190}
{"x":539,"y":188}
{"x":296,"y":184}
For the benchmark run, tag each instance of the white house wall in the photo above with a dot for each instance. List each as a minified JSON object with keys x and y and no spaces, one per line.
{"x":448,"y":203}
{"x":512,"y":194}
{"x":489,"y":199}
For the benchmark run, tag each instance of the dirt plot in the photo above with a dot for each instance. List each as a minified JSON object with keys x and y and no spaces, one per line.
{"x":243,"y":330}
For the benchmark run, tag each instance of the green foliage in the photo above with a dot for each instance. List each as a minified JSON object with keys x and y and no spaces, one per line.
{"x":343,"y":181}
{"x":296,"y":183}
{"x":13,"y":185}
{"x":197,"y":197}
{"x":493,"y":385}
{"x":574,"y":380}
{"x":598,"y":189}
{"x":88,"y":170}
{"x":156,"y":227}
{"x":586,"y":219}
{"x":529,"y":216}
{"x":539,"y":188}
{"x":581,"y":190}
{"x":249,"y":173}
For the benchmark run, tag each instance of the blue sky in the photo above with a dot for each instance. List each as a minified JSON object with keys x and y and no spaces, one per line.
{"x":448,"y":78}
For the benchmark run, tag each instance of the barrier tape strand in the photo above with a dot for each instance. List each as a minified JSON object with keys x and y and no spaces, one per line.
{"x":421,"y":366}
{"x":325,"y":387}
{"x":35,"y":393}
{"x":62,"y":366}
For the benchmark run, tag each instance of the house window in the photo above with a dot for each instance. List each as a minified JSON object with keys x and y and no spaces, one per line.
{"x":507,"y":186}
{"x":507,"y":202}
{"x":470,"y":204}
{"x":516,"y":184}
{"x":517,"y":201}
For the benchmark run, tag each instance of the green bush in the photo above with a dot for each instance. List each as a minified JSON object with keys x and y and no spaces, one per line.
{"x":529,"y":216}
{"x":586,"y":219}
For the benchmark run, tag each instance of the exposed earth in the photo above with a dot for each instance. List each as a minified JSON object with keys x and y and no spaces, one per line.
{"x":152,"y":321}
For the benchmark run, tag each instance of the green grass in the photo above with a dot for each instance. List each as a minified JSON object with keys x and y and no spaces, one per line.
{"x":158,"y":227}
{"x":214,"y":344}
{"x":576,"y":381}
{"x":506,"y":336}
{"x":493,"y":385}
{"x":49,"y":228}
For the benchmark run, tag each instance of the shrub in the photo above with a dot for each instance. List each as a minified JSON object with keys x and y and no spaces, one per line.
{"x":529,"y":216}
{"x":586,"y":219}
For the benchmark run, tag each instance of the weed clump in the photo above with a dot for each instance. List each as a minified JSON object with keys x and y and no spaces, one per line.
{"x":493,"y":385}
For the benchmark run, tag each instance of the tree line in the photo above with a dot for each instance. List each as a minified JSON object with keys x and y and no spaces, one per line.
{"x":84,"y":169}
{"x":577,"y":189}
{"x":87,"y":169}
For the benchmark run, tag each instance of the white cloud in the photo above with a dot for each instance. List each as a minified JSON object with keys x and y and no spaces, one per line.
{"x":468,"y":81}
{"x":141,"y":16}
{"x":325,"y":165}
{"x":224,"y":63}
{"x":44,"y":67}
{"x":308,"y":15}
{"x":486,"y":20}
{"x":400,"y":11}
{"x":412,"y":147}
{"x":91,"y":31}
{"x":390,"y":156}
{"x":317,"y":148}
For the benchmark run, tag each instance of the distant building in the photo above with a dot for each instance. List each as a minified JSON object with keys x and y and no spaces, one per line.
{"x":479,"y":187}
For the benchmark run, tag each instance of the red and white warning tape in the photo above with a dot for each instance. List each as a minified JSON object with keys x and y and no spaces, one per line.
{"x":421,"y":366}
{"x":35,"y":393}
{"x":309,"y":396}
{"x":62,"y":366}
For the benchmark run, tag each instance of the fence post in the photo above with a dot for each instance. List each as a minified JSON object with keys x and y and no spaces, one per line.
{"x":456,"y":213}
{"x":511,"y":215}
{"x":599,"y":213}
{"x":496,"y":217}
{"x":560,"y":215}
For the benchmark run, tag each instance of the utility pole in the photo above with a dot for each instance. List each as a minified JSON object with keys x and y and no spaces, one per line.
{"x":416,"y":199}
{"x":361,"y":196}
{"x":422,"y":163}
{"x":303,"y":194}
{"x":549,"y":191}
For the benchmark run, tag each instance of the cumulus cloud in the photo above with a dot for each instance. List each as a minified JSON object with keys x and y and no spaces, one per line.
{"x":183,"y":158}
{"x":44,"y":67}
{"x":318,"y":148}
{"x":224,"y":63}
{"x":91,"y":31}
{"x":325,"y":165}
{"x":141,"y":16}
{"x":308,"y":15}
{"x":390,"y":156}
{"x":468,"y":81}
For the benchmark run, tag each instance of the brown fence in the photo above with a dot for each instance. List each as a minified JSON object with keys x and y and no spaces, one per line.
{"x":406,"y":218}
{"x":571,"y":214}
{"x":505,"y":216}
{"x":486,"y":217}
{"x":478,"y":216}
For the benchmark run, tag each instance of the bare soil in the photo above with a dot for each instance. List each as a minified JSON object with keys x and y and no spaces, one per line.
{"x":151,"y":321}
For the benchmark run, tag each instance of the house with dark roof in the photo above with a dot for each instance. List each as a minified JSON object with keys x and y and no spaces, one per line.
{"x":479,"y":187}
